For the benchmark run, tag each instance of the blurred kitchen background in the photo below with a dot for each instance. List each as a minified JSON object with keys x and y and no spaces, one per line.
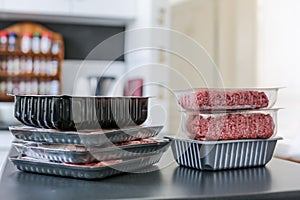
{"x":246,"y":43}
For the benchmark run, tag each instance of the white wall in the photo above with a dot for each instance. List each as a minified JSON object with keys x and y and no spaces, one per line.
{"x":278,"y":59}
{"x":227,"y":30}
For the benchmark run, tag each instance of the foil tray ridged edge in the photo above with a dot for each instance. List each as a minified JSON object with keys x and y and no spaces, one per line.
{"x":57,"y":169}
{"x":224,"y":155}
{"x":85,"y":139}
{"x":100,"y":154}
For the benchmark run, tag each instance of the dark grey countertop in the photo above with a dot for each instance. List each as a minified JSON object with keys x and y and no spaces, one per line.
{"x":279,"y":179}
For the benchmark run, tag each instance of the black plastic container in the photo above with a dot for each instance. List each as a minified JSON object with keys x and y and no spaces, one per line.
{"x":79,"y":113}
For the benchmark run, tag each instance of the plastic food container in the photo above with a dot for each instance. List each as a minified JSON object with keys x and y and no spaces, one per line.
{"x":226,"y":98}
{"x":86,"y":138}
{"x":218,"y":155}
{"x":79,"y":113}
{"x":230,"y":125}
{"x":81,"y":154}
{"x":98,"y":171}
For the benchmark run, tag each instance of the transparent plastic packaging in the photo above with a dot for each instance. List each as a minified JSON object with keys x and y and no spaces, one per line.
{"x":200,"y":99}
{"x":230,"y":125}
{"x":81,"y":154}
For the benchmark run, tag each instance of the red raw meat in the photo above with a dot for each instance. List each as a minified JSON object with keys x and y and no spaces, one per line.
{"x":231,"y":126}
{"x":222,"y":99}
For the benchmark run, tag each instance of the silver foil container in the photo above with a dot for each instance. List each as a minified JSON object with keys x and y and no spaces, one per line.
{"x":90,"y":154}
{"x":86,"y":138}
{"x":219,"y":155}
{"x":59,"y":169}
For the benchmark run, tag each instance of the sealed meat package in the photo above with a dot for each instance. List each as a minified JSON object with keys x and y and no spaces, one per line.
{"x":231,"y":125}
{"x":226,"y":99}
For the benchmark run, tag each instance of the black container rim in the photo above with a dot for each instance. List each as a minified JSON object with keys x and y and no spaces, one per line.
{"x":75,"y":96}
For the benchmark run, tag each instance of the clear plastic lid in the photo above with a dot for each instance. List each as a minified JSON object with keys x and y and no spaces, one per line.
{"x":233,"y":125}
{"x":201,"y":99}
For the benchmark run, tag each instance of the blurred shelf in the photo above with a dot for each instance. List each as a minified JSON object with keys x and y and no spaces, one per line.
{"x":6,"y":75}
{"x":6,"y":98}
{"x":29,"y":54}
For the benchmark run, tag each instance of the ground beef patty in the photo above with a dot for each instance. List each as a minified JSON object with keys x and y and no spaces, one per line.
{"x":230,"y":126}
{"x":222,"y":99}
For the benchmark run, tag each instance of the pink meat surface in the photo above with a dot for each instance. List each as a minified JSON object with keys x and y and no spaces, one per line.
{"x":231,"y":126}
{"x":221,"y":99}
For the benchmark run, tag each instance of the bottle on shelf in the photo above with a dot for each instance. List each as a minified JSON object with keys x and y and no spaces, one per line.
{"x":26,"y":43}
{"x":10,"y":65}
{"x":16,"y":65}
{"x":16,"y":89}
{"x":28,"y":89}
{"x":3,"y":65}
{"x":12,"y":41}
{"x":36,"y":43}
{"x":3,"y":40}
{"x":29,"y":65}
{"x":46,"y":41}
{"x":22,"y":87}
{"x":36,"y":65}
{"x":9,"y":86}
{"x":54,"y":87}
{"x":42,"y":87}
{"x":33,"y":85}
{"x":55,"y":47}
{"x":22,"y":65}
{"x":43,"y":67}
{"x":2,"y":87}
{"x":54,"y":67}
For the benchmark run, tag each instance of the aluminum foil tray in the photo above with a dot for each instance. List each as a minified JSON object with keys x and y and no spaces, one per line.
{"x":81,"y":154}
{"x":218,"y":155}
{"x":60,"y":169}
{"x":86,"y":138}
{"x":78,"y":113}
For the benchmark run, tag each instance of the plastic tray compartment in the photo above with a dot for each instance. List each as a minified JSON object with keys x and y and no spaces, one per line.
{"x":86,"y":138}
{"x":212,"y":155}
{"x":81,"y":154}
{"x":226,"y":98}
{"x":230,"y":125}
{"x":83,"y":172}
{"x":79,"y":113}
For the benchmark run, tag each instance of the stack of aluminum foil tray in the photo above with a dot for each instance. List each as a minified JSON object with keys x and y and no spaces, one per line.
{"x":84,"y":137}
{"x":56,"y":152}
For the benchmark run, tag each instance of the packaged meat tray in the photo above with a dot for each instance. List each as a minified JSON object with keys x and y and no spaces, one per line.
{"x":219,"y":155}
{"x":98,"y":170}
{"x":231,"y":125}
{"x":85,"y":138}
{"x":226,"y":98}
{"x":81,"y":154}
{"x":79,"y":113}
